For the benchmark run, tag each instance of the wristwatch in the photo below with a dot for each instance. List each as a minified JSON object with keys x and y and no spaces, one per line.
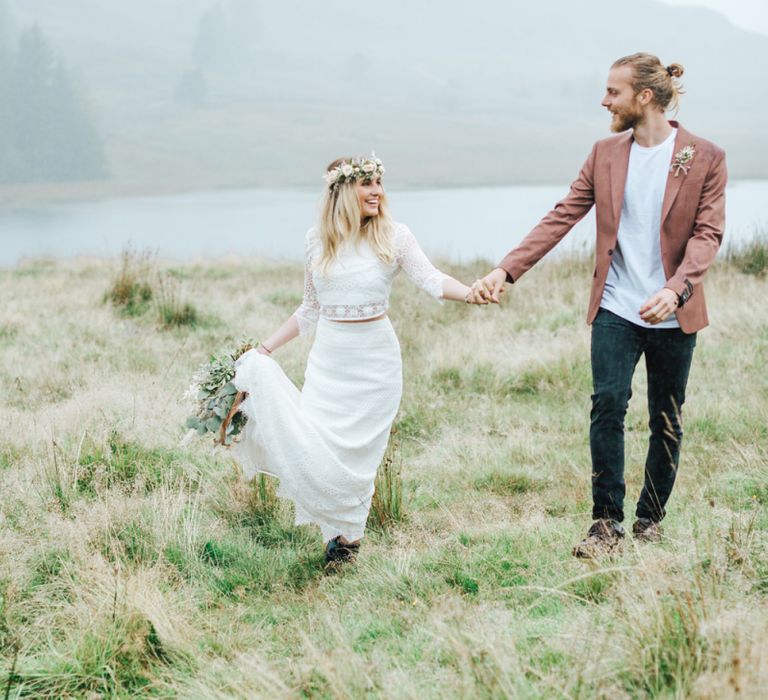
{"x":686,"y":295}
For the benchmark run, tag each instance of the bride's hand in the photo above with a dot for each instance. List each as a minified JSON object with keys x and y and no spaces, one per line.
{"x":474,"y":295}
{"x":242,"y":357}
{"x":490,"y":287}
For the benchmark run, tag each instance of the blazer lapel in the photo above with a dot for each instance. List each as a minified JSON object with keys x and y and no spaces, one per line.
{"x":617,"y":174}
{"x":682,"y":140}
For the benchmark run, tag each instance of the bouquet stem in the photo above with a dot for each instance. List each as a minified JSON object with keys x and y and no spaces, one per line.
{"x":235,"y":408}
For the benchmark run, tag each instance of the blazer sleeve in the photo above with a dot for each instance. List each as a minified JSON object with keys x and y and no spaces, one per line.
{"x":707,"y":234}
{"x":553,"y":227}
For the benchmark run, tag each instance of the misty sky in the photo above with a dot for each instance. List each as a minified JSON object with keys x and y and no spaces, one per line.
{"x":747,"y":14}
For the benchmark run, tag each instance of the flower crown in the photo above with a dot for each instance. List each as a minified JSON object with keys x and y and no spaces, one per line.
{"x":359,"y":168}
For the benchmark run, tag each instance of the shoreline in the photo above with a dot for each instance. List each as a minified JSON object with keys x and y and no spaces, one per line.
{"x":14,"y":197}
{"x":34,"y":195}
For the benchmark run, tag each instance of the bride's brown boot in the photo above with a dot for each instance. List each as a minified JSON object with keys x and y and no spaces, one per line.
{"x":337,"y":551}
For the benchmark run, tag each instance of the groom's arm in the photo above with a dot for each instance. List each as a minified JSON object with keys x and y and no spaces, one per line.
{"x":551,"y":229}
{"x":707,"y":232}
{"x":700,"y":251}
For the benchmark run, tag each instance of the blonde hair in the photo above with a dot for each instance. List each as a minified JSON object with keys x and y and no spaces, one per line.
{"x":650,"y":74}
{"x":341,"y":220}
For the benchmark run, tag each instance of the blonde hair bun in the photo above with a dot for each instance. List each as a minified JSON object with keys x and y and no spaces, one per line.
{"x":675,"y":70}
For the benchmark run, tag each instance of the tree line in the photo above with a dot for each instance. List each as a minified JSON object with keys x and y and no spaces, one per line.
{"x":46,"y":132}
{"x":225,"y":43}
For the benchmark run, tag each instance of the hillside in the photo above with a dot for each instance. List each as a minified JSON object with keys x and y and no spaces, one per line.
{"x":490,"y":92}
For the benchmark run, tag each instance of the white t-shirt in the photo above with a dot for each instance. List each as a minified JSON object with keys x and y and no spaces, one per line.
{"x":636,"y":272}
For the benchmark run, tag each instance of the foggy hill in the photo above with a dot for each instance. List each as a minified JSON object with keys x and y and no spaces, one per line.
{"x":204,"y":93}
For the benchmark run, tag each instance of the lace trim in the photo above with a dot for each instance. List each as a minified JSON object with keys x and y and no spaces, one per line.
{"x":339,"y":311}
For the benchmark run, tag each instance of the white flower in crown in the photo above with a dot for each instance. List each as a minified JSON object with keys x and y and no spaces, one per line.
{"x":683,"y":159}
{"x":360,"y":168}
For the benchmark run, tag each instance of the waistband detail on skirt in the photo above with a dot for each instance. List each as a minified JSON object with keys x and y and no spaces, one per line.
{"x":359,"y":328}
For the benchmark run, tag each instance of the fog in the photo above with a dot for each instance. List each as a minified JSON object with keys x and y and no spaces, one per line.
{"x":104,"y":97}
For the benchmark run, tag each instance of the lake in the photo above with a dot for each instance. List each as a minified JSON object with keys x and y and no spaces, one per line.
{"x":455,"y":224}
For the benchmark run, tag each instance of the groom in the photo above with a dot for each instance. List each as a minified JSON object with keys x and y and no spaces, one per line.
{"x":659,"y":193}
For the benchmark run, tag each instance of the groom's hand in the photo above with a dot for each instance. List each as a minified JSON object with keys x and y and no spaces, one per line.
{"x":489,"y":287}
{"x":659,"y":307}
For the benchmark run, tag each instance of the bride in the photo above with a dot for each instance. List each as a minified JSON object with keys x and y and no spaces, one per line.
{"x":325,"y":442}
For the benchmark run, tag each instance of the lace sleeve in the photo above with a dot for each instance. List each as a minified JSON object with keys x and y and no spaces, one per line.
{"x":309,"y":310}
{"x":411,"y":258}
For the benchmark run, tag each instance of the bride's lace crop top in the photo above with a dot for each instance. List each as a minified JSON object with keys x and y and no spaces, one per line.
{"x":357,"y":284}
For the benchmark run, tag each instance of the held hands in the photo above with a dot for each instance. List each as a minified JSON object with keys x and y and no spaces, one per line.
{"x":659,"y":307}
{"x":488,"y":289}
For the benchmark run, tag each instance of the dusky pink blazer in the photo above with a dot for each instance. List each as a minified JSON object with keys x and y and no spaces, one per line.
{"x":692,"y":220}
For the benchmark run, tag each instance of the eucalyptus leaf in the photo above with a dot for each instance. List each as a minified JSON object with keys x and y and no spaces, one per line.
{"x":192,"y":422}
{"x":228,"y":389}
{"x":213,"y":423}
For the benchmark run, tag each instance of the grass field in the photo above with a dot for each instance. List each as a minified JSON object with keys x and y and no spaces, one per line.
{"x":133,"y":567}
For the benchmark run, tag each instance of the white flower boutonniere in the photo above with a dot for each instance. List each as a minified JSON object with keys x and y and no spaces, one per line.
{"x":682,"y":160}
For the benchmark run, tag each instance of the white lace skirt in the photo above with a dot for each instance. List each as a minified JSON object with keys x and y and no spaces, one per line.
{"x":325,"y":442}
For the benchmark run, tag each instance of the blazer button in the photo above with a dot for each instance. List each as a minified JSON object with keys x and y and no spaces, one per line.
{"x":610,"y":251}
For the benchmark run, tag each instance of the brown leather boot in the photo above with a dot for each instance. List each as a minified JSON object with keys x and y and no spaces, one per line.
{"x":646,"y":530}
{"x":603,"y":537}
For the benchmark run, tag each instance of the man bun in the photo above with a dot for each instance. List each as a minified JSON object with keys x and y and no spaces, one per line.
{"x":649,"y":73}
{"x":675,"y":70}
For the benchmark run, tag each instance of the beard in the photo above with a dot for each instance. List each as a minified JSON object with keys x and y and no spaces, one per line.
{"x":627,"y":118}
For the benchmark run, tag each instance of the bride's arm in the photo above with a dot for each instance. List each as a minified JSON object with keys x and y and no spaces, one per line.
{"x":304,"y":319}
{"x":287,"y":332}
{"x":453,"y":290}
{"x":423,"y":273}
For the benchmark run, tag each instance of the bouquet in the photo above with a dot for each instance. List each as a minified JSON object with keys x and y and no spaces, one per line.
{"x":214,"y":394}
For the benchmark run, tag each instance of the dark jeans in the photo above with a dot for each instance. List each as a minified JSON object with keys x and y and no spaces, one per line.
{"x":616,"y":348}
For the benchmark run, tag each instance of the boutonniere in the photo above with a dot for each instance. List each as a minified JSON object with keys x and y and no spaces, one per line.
{"x":682,"y":160}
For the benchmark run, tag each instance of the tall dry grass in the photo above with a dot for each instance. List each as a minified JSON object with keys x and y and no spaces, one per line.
{"x":132,"y":567}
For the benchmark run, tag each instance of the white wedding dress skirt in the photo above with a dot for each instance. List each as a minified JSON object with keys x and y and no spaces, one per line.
{"x":325,"y":442}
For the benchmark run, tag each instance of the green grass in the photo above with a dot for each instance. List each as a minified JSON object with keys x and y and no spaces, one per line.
{"x":126,"y":464}
{"x":752,"y":257}
{"x":133,"y":567}
{"x":131,"y":289}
